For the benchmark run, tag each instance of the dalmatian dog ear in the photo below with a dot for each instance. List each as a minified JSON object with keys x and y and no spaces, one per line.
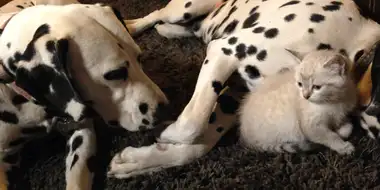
{"x":42,"y":72}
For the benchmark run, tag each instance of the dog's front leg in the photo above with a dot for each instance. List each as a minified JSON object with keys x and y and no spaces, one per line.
{"x":81,"y":157}
{"x":218,"y":66}
{"x":136,"y":161}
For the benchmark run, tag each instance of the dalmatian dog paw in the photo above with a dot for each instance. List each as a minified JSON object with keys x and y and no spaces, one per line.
{"x":137,"y":161}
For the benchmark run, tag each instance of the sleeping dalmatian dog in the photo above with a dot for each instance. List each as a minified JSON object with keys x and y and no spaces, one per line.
{"x":254,"y":38}
{"x":54,"y":55}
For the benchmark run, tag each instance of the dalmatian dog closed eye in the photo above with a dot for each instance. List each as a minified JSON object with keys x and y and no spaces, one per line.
{"x":51,"y":53}
{"x":255,"y":38}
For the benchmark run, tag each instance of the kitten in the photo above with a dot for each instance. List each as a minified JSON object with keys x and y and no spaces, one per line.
{"x":301,"y":107}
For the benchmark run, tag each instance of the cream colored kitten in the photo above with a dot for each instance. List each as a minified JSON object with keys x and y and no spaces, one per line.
{"x":308,"y":104}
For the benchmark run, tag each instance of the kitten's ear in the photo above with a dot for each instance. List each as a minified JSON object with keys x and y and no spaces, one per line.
{"x":338,"y":64}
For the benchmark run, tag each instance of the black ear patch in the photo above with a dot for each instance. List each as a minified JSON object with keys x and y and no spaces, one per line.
{"x":38,"y":80}
{"x":117,"y":74}
{"x":8,"y":117}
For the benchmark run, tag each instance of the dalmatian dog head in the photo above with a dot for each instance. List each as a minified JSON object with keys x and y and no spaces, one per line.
{"x":77,"y":60}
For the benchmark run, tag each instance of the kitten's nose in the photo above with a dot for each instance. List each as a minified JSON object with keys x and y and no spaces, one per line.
{"x":306,"y":95}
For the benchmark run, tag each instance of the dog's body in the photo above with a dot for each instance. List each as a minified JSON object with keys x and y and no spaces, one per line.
{"x":73,"y":60}
{"x":254,"y":38}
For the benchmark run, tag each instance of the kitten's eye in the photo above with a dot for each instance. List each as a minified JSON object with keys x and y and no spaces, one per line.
{"x":317,"y":87}
{"x":299,"y":84}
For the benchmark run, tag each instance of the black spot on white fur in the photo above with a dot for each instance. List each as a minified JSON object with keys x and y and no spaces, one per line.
{"x":310,"y":30}
{"x":8,"y":45}
{"x":253,"y":10}
{"x":290,"y":3}
{"x":323,"y":46}
{"x":252,"y":71}
{"x":143,"y":107}
{"x":262,"y":55}
{"x":228,"y":104}
{"x":117,"y":74}
{"x":188,"y":4}
{"x":8,"y":117}
{"x":218,"y":87}
{"x":334,"y":6}
{"x":290,"y":17}
{"x":227,"y":51}
{"x":241,"y":51}
{"x":20,"y":7}
{"x":75,"y":160}
{"x":343,"y":52}
{"x":259,"y":29}
{"x":251,"y":20}
{"x":271,"y":33}
{"x":231,"y":27}
{"x":251,"y":50}
{"x":317,"y":18}
{"x":77,"y":142}
{"x":309,"y":3}
{"x":232,"y":40}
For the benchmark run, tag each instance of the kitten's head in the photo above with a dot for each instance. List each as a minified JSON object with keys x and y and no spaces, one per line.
{"x":323,"y":76}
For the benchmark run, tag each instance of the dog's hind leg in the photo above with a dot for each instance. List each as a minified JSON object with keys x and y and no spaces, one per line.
{"x":81,"y":158}
{"x":176,"y":11}
{"x":136,"y":161}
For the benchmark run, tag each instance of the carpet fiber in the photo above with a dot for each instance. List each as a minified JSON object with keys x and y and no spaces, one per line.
{"x":174,"y":66}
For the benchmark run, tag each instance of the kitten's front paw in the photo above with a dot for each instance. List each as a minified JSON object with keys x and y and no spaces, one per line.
{"x":346,"y":148}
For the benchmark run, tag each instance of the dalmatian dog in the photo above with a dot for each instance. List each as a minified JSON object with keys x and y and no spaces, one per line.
{"x":62,"y":60}
{"x":256,"y":38}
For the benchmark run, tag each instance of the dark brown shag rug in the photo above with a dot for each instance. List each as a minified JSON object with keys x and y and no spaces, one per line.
{"x":174,"y":65}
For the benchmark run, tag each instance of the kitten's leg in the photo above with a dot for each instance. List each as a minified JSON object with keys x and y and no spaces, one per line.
{"x":136,"y":161}
{"x":176,"y":11}
{"x":321,"y":134}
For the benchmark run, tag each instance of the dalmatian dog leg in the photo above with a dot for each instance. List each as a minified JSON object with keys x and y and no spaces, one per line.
{"x":173,"y":30}
{"x":176,"y":11}
{"x":218,"y":66}
{"x":136,"y":161}
{"x":80,"y":160}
